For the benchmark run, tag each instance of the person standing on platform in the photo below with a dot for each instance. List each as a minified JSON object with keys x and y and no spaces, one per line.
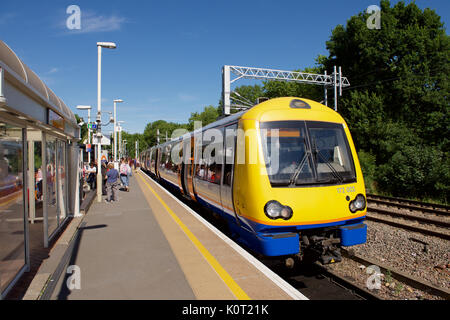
{"x":112,"y":182}
{"x":124,"y":174}
{"x":92,"y":175}
{"x":104,"y":178}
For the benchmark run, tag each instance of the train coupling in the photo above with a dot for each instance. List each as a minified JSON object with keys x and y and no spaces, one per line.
{"x":327,"y":248}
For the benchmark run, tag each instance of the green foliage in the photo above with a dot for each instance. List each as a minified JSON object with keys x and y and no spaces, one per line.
{"x":273,"y":89}
{"x":418,"y":171}
{"x":84,"y":129}
{"x":368,"y":167}
{"x":165,"y":128}
{"x":397,"y":107}
{"x":250,"y":93}
{"x":209,"y":115}
{"x":131,"y":142}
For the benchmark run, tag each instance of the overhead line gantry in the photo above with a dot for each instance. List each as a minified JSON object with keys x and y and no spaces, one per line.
{"x":334,"y":80}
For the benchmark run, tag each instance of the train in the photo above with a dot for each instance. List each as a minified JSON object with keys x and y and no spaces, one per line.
{"x":284,"y":175}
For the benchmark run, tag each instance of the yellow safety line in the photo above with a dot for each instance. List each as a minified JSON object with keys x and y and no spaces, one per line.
{"x":229,"y":281}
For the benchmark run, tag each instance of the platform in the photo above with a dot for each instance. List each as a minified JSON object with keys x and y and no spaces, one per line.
{"x":149,"y":245}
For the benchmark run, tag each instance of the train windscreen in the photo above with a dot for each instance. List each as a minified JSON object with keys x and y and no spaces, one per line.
{"x":306,"y":153}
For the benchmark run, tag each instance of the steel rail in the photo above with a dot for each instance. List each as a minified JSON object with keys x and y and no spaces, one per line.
{"x":399,"y":275}
{"x":437,"y":222}
{"x":410,"y":204}
{"x":409,"y":227}
{"x":347,"y":284}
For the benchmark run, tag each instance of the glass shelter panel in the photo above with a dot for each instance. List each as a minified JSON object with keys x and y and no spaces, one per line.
{"x":12,"y":232}
{"x":51,"y":184}
{"x":61,"y":160}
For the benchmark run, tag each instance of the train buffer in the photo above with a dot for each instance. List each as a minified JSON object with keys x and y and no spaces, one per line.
{"x":149,"y":245}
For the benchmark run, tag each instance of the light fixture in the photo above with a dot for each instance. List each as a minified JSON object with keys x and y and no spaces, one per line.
{"x":109,"y":45}
{"x":275,"y":210}
{"x":358,"y":204}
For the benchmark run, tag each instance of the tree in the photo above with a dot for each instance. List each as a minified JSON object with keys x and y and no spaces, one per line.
{"x":207,"y":116}
{"x":150,"y":131}
{"x":83,"y":128}
{"x":397,"y":106}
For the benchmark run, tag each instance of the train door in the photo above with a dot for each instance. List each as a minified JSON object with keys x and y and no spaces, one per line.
{"x":154,"y":161}
{"x":188,"y":166}
{"x":159,"y":157}
{"x":226,"y":189}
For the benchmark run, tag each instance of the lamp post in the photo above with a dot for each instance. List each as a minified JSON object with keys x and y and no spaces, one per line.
{"x":115,"y":134}
{"x":100,"y":45}
{"x":88,"y":108}
{"x":120,"y":138}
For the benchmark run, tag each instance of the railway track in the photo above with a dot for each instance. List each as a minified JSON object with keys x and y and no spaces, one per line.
{"x":399,"y":275}
{"x":426,"y":218}
{"x":413,"y":205}
{"x":319,"y":282}
{"x":312,"y":279}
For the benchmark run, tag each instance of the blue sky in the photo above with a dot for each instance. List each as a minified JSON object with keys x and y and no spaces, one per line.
{"x":170,"y":53}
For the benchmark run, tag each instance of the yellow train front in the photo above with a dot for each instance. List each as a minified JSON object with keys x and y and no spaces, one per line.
{"x":287,"y":179}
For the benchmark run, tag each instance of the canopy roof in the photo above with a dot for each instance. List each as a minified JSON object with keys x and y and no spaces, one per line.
{"x":20,"y":70}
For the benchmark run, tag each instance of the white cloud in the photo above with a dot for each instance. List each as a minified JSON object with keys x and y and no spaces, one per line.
{"x":53,"y":70}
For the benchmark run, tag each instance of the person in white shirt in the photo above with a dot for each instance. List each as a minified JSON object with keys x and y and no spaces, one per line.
{"x":92,"y":175}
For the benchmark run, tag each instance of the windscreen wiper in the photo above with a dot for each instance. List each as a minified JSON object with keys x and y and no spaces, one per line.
{"x":327,"y":162}
{"x":300,"y":166}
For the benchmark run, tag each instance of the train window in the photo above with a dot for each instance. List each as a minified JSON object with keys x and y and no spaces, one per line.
{"x":306,"y":152}
{"x":286,"y":152}
{"x":175,"y":163}
{"x":332,"y":153}
{"x":214,"y":155}
{"x":214,"y":168}
{"x":165,"y":155}
{"x":201,"y":167}
{"x":200,"y":170}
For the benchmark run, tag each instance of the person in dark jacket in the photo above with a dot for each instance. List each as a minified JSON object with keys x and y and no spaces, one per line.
{"x":104,"y":177}
{"x":112,"y":183}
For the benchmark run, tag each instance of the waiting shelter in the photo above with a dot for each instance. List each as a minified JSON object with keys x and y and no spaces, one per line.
{"x":38,"y":166}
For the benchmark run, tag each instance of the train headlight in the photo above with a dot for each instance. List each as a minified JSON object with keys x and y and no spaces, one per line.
{"x":359,"y":203}
{"x":275,"y":210}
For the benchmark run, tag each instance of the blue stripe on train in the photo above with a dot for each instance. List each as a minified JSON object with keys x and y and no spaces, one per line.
{"x":266,"y":239}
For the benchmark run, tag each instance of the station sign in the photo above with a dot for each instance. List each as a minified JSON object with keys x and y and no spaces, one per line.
{"x":104,"y":141}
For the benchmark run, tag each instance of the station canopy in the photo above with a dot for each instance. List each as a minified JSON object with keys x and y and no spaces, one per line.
{"x":22,"y":71}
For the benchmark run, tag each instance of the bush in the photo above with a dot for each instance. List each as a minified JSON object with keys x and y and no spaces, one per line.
{"x":368,"y":167}
{"x":416,"y":171}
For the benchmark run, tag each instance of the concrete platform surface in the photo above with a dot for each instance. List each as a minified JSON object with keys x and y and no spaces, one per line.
{"x":149,"y":245}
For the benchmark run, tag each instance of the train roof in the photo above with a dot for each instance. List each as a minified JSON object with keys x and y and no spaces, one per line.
{"x":305,"y":108}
